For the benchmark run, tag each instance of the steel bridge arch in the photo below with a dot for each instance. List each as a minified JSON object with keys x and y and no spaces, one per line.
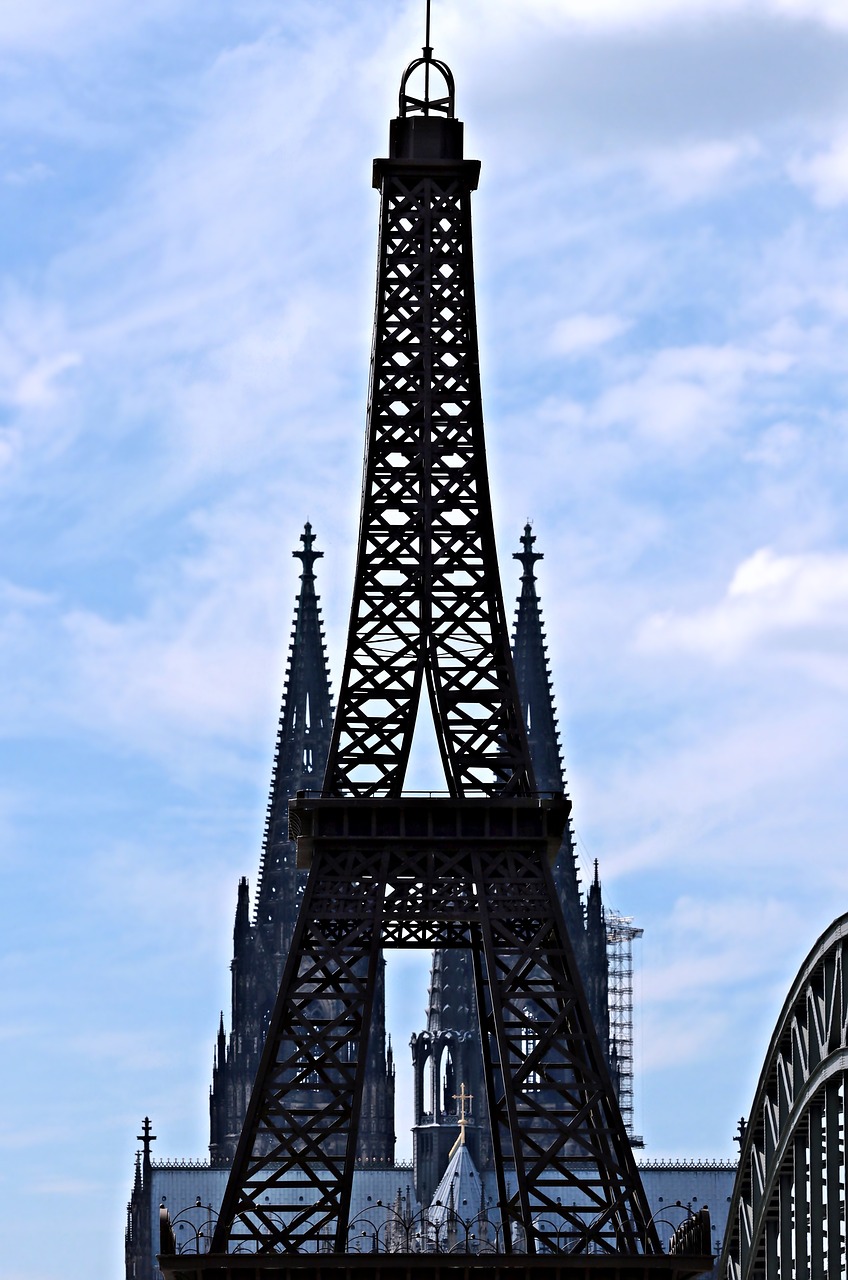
{"x":787,"y":1218}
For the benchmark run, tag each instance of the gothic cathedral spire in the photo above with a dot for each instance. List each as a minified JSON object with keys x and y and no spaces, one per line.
{"x":260,"y":947}
{"x":303,"y":740}
{"x":532,"y":672}
{"x":535,"y":687}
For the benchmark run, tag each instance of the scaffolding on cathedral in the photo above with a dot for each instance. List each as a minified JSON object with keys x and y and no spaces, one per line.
{"x":621,"y":934}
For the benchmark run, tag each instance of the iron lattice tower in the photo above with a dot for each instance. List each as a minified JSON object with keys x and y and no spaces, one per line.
{"x":469,"y":870}
{"x":427,"y":598}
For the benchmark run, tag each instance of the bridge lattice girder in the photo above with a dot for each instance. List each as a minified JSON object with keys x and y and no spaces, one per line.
{"x":787,"y":1217}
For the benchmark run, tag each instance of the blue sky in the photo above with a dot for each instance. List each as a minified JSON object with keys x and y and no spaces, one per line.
{"x":186,"y":287}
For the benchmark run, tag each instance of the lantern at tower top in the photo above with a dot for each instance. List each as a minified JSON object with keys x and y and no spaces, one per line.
{"x":428,"y":69}
{"x":426,"y":127}
{"x":427,"y":104}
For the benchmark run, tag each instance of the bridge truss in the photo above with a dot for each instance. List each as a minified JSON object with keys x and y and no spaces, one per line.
{"x":788,"y":1214}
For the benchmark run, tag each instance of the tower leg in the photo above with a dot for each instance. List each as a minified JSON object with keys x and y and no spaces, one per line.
{"x":554,"y":1120}
{"x":298,"y":1147}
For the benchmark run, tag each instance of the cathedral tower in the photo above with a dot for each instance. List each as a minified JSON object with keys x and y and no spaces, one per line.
{"x":532,"y":668}
{"x":261,"y":945}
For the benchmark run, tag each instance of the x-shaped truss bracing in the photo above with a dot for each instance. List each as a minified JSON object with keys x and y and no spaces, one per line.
{"x":469,"y":871}
{"x":427,"y":595}
{"x":567,"y":1179}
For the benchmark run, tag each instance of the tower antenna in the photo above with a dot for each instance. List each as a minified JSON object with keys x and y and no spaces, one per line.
{"x":428,"y":54}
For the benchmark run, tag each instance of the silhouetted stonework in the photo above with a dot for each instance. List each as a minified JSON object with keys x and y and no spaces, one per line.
{"x":261,"y":945}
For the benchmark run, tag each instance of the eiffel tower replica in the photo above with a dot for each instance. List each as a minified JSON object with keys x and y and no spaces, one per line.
{"x":467,"y":869}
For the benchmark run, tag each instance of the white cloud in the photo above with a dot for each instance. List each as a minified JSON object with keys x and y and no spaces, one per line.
{"x":717,"y":85}
{"x":610,"y":15}
{"x":686,"y":396}
{"x":197,"y":661}
{"x":831,"y":13}
{"x":715,"y":981}
{"x":720,"y":944}
{"x":37,"y":385}
{"x":679,"y":1040}
{"x":706,"y":783}
{"x":796,"y":605}
{"x":28,"y":174}
{"x":825,"y":174}
{"x":697,"y":170}
{"x":581,"y":333}
{"x":38,"y":28}
{"x":35,"y":353}
{"x":778,"y":446}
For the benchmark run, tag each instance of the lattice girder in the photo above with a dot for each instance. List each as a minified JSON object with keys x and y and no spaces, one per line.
{"x":427,"y":596}
{"x":787,"y":1215}
{"x":460,"y":873}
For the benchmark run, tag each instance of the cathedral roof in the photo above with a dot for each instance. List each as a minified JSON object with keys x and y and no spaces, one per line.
{"x":460,"y":1192}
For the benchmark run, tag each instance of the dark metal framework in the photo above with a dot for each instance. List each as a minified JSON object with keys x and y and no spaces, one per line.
{"x":787,"y":1218}
{"x":452,"y":873}
{"x":427,"y":596}
{"x":471,"y":870}
{"x":439,"y":1266}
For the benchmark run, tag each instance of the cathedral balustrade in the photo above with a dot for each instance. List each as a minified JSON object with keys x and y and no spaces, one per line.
{"x":723,"y":1165}
{"x":176,"y":1163}
{"x":405,"y":1228}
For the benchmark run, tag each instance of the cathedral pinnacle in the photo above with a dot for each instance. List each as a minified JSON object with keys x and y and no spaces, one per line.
{"x":145,"y":1138}
{"x":307,"y":555}
{"x":532,"y":670}
{"x":527,"y":555}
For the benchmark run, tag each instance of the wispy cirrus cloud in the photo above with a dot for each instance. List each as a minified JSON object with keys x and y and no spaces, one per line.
{"x":684,"y":396}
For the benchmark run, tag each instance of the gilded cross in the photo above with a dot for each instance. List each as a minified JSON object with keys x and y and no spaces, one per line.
{"x":462,"y":1098}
